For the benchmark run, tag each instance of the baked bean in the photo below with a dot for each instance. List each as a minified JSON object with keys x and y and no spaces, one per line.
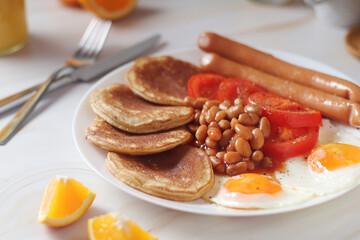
{"x":208,"y":104}
{"x":257,"y":140}
{"x":251,"y":128}
{"x":234,"y":111}
{"x":227,"y":135}
{"x":211,"y":151}
{"x":214,"y":134}
{"x":220,"y":115}
{"x":249,"y":119}
{"x":211,"y":113}
{"x":199,"y":103}
{"x":237,"y":168}
{"x":250,"y":165}
{"x":252,"y":108}
{"x":243,"y":147}
{"x":201,"y":133}
{"x":224,"y":124}
{"x":266,"y":162}
{"x":254,"y":118}
{"x":193,"y":127}
{"x":189,"y":101}
{"x":233,"y":122}
{"x":238,"y":101}
{"x":215,"y":161}
{"x":214,"y":125}
{"x":232,"y":157}
{"x":257,"y":156}
{"x":202,"y":119}
{"x":221,"y":167}
{"x":198,"y":143}
{"x":231,"y":145}
{"x":220,"y":155}
{"x":211,"y":143}
{"x":225,"y":105}
{"x":264,"y":126}
{"x":197,"y":116}
{"x":243,"y":131}
{"x":244,"y":119}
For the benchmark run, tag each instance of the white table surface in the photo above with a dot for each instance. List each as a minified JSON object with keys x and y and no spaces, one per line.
{"x":45,"y":146}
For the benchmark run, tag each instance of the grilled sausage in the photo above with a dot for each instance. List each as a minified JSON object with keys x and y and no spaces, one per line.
{"x":211,"y":42}
{"x":329,"y":105}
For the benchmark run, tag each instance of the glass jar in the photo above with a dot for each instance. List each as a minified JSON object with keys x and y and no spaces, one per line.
{"x":13,"y":29}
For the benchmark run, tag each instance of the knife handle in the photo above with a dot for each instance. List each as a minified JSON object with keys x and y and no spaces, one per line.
{"x":15,"y":123}
{"x":21,"y":97}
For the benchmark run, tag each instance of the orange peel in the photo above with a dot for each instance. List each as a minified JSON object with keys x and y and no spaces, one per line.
{"x":109,"y":9}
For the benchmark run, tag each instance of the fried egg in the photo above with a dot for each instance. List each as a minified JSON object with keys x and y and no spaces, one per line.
{"x":253,"y":191}
{"x":334,"y":165}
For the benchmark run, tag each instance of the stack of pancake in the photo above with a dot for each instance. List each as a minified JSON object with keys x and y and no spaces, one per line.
{"x":143,"y":128}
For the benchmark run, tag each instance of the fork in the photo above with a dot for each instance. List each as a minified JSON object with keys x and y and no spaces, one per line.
{"x":89,"y":48}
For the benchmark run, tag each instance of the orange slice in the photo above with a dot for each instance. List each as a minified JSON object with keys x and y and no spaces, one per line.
{"x":65,"y":201}
{"x":70,"y":2}
{"x":109,"y":9}
{"x":115,"y":226}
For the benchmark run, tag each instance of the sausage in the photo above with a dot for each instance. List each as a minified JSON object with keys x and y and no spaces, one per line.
{"x":331,"y":106}
{"x":211,"y":42}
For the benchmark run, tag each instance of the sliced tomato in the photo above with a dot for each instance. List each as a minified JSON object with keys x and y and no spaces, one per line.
{"x":232,"y":88}
{"x":284,"y":112}
{"x":285,"y":142}
{"x":204,"y":85}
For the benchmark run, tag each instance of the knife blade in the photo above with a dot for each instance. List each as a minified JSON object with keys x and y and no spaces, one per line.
{"x":84,"y":73}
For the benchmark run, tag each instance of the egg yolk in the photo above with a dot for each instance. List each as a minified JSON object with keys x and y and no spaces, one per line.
{"x":333,"y":156}
{"x":252,"y":183}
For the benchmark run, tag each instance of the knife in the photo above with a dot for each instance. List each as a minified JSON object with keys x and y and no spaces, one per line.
{"x":71,"y":74}
{"x":84,"y":73}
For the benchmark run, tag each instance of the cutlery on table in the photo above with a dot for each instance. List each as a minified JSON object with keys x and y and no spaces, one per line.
{"x":79,"y":70}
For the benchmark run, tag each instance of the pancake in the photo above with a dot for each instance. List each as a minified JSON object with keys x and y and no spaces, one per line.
{"x":118,"y":106}
{"x":162,"y":80}
{"x":181,"y":174}
{"x":113,"y":139}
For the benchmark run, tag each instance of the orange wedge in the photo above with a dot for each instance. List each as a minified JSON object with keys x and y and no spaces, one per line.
{"x":109,"y":9}
{"x":115,"y":226}
{"x":65,"y":201}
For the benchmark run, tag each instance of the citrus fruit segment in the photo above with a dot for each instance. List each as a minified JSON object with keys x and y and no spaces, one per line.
{"x":116,"y":226}
{"x":109,"y":9}
{"x":65,"y":201}
{"x":70,"y":2}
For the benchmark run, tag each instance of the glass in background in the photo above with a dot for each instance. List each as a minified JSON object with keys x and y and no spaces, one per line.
{"x":13,"y":28}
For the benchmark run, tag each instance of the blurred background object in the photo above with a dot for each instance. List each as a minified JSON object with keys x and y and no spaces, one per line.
{"x":13,"y":28}
{"x":105,"y":9}
{"x":352,"y":42}
{"x":344,"y":13}
{"x":273,"y":1}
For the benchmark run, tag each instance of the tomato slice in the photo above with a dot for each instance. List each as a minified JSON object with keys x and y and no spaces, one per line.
{"x":232,"y":88}
{"x":204,"y":85}
{"x":290,"y":142}
{"x":284,"y":112}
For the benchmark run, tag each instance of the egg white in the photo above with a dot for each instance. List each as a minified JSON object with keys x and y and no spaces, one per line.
{"x":287,"y":197}
{"x":298,"y":175}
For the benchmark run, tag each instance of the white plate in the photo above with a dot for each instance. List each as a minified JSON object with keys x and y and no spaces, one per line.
{"x":95,"y":156}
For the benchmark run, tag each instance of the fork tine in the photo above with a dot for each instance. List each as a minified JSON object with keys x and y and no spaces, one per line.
{"x":85,"y":37}
{"x":93,"y":43}
{"x":101,"y":41}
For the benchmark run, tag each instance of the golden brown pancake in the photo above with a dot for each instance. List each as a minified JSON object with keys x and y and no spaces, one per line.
{"x":162,"y":80}
{"x":118,"y":106}
{"x":113,"y":139}
{"x":181,"y":174}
